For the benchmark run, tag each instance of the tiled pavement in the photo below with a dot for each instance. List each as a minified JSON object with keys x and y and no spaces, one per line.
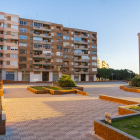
{"x":47,"y":117}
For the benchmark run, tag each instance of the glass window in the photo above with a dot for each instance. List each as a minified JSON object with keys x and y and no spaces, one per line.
{"x":59,"y":40}
{"x":65,"y":43}
{"x":31,"y":31}
{"x":58,"y":60}
{"x":52,"y":40}
{"x":66,"y":56}
{"x":71,"y":38}
{"x":71,"y":32}
{"x":94,"y":46}
{"x":38,"y":25}
{"x":14,"y":63}
{"x":77,"y":38}
{"x":59,"y":34}
{"x":85,"y":57}
{"x":78,"y":51}
{"x":14,"y":56}
{"x":51,"y":27}
{"x":31,"y":24}
{"x":22,"y":44}
{"x":1,"y":17}
{"x":94,"y":69}
{"x":22,"y":37}
{"x":14,"y":27}
{"x":5,"y":25}
{"x":23,"y":30}
{"x":37,"y":38}
{"x":52,"y":34}
{"x":14,"y":19}
{"x":22,"y":51}
{"x":23,"y":23}
{"x":94,"y":52}
{"x":94,"y":58}
{"x":22,"y":66}
{"x":5,"y":48}
{"x":31,"y":38}
{"x":37,"y":45}
{"x":94,"y":64}
{"x":66,"y":37}
{"x":59,"y":47}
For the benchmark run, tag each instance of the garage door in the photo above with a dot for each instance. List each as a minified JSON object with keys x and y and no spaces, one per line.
{"x":10,"y":76}
{"x":25,"y":77}
{"x":55,"y":77}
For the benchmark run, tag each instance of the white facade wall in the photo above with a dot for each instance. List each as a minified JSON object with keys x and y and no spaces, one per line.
{"x":72,"y":77}
{"x":60,"y":75}
{"x":35,"y":77}
{"x":50,"y":76}
{"x":19,"y":76}
{"x":87,"y":77}
{"x":15,"y":75}
{"x":3,"y":74}
{"x":79,"y":77}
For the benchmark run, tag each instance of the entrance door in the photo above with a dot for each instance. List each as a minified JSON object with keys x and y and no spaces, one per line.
{"x":90,"y":78}
{"x":10,"y":76}
{"x":83,"y":77}
{"x":55,"y":77}
{"x":45,"y":76}
{"x":25,"y":77}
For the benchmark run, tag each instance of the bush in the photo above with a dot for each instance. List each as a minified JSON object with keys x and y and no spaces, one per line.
{"x":135,"y":82}
{"x":66,"y":81}
{"x":127,"y":79}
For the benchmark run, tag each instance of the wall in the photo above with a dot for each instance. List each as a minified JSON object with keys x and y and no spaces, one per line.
{"x":15,"y":75}
{"x":3,"y":74}
{"x":94,"y":77}
{"x":60,"y":74}
{"x":79,"y":77}
{"x":50,"y":76}
{"x":72,"y":77}
{"x":35,"y":77}
{"x":19,"y":76}
{"x":87,"y":77}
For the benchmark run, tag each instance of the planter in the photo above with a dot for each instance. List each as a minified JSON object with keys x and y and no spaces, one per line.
{"x":38,"y":91}
{"x":108,"y":132}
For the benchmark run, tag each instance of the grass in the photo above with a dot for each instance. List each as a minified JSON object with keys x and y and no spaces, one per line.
{"x":137,"y":108}
{"x":126,"y":125}
{"x":53,"y":88}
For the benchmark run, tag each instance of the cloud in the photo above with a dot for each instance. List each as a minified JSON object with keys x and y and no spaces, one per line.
{"x":124,"y":53}
{"x":106,"y":55}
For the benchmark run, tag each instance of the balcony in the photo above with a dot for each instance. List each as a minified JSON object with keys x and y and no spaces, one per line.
{"x":81,"y":42}
{"x":80,"y":72}
{"x":42,"y":55}
{"x":67,"y":72}
{"x":81,"y":66}
{"x":81,"y":60}
{"x":81,"y":48}
{"x":42,"y":35}
{"x":41,"y":48}
{"x":79,"y":54}
{"x":81,"y":35}
{"x":42,"y":28}
{"x":42,"y":62}
{"x":11,"y":37}
{"x":41,"y":42}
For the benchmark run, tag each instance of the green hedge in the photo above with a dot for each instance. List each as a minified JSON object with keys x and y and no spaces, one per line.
{"x":135,"y":82}
{"x":66,"y":81}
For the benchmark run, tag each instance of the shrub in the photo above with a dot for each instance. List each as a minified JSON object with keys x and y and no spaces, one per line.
{"x":127,"y":79}
{"x":135,"y":82}
{"x":66,"y":81}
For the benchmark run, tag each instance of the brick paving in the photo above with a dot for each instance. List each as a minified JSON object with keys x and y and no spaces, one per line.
{"x":52,"y":117}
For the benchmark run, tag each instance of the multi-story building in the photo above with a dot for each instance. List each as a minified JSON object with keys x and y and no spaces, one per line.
{"x":102,"y":64}
{"x":33,"y":50}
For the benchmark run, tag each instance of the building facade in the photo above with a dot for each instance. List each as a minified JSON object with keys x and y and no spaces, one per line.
{"x":102,"y":64}
{"x":33,"y":50}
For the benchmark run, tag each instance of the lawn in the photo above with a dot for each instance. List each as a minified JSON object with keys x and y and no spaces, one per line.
{"x":137,"y":108}
{"x":126,"y":125}
{"x":53,"y":88}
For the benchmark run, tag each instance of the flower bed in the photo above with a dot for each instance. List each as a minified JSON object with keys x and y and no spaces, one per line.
{"x":130,"y":88}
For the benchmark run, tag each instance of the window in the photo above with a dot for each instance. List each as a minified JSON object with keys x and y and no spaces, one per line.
{"x":77,"y":38}
{"x":66,"y":56}
{"x":14,"y":27}
{"x":51,"y":27}
{"x":31,"y":52}
{"x":22,"y":37}
{"x":58,"y":53}
{"x":52,"y":40}
{"x":14,"y":48}
{"x":72,"y":45}
{"x":14,"y":56}
{"x":14,"y":19}
{"x":71,"y":38}
{"x":5,"y":48}
{"x":31,"y":38}
{"x":23,"y":23}
{"x":22,"y":51}
{"x":31,"y":24}
{"x":59,"y":40}
{"x":94,"y":69}
{"x":5,"y":25}
{"x":4,"y":63}
{"x":71,"y":32}
{"x":94,"y":58}
{"x":14,"y":63}
{"x":65,"y":50}
{"x":22,"y":59}
{"x":58,"y":60}
{"x":59,"y":47}
{"x":52,"y":34}
{"x":30,"y":66}
{"x":94,"y":46}
{"x":37,"y":46}
{"x":65,"y":43}
{"x":38,"y":25}
{"x":31,"y":45}
{"x":1,"y":17}
{"x":37,"y":38}
{"x":94,"y":52}
{"x":31,"y":59}
{"x":47,"y":46}
{"x":85,"y":57}
{"x":31,"y":31}
{"x":23,"y":30}
{"x":66,"y":37}
{"x":59,"y":34}
{"x":78,"y":51}
{"x":5,"y":33}
{"x":22,"y":44}
{"x":94,"y":64}
{"x":22,"y":66}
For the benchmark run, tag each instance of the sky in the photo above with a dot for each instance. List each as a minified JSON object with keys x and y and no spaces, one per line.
{"x":117,"y":23}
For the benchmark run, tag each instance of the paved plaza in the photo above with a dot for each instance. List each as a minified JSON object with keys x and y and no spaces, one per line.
{"x":58,"y":117}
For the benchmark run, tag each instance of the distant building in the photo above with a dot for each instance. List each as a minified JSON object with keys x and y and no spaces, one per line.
{"x":102,"y":64}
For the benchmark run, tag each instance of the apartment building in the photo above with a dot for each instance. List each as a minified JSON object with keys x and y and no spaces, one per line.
{"x":33,"y":50}
{"x":102,"y":64}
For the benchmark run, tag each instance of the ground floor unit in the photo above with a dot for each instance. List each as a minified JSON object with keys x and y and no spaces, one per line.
{"x":15,"y":75}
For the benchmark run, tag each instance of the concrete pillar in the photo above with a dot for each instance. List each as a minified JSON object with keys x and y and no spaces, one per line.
{"x":79,"y":77}
{"x":31,"y":76}
{"x":72,"y":77}
{"x":50,"y":76}
{"x":60,"y":75}
{"x":94,"y":77}
{"x":87,"y":77}
{"x":19,"y":76}
{"x":15,"y":75}
{"x":3,"y":74}
{"x":40,"y":79}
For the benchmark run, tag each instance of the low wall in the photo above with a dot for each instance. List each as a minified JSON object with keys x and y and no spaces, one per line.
{"x":118,"y":100}
{"x":130,"y":88}
{"x":81,"y":92}
{"x":125,"y":111}
{"x":38,"y":91}
{"x":14,"y":82}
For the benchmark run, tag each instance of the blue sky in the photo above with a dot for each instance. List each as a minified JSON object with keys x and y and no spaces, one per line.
{"x":117,"y":23}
